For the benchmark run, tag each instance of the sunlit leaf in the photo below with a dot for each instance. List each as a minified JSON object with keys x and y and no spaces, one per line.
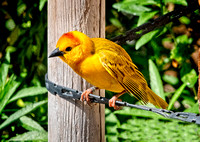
{"x":11,"y":49}
{"x":130,"y":7}
{"x":145,"y":38}
{"x":190,"y":78}
{"x":115,"y":22}
{"x":144,"y":17}
{"x":170,"y":79}
{"x":30,"y":124}
{"x":31,"y":136}
{"x":138,"y":113}
{"x":42,"y":3}
{"x":13,"y":117}
{"x":21,"y":8}
{"x":4,"y":70}
{"x":27,"y":92}
{"x":111,"y":122}
{"x":193,"y":109}
{"x":26,"y":24}
{"x":8,"y":91}
{"x":176,"y":95}
{"x":184,"y":20}
{"x":181,"y":2}
{"x":155,"y":80}
{"x":10,"y":24}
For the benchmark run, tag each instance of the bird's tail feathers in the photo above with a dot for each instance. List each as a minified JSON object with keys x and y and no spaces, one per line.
{"x":155,"y":99}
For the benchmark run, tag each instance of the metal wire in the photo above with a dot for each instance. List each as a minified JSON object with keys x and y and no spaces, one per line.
{"x":68,"y":93}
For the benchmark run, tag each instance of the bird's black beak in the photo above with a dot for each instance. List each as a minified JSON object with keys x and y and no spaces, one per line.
{"x":56,"y":52}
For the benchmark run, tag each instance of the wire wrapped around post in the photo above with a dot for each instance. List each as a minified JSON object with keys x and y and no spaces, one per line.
{"x":71,"y":94}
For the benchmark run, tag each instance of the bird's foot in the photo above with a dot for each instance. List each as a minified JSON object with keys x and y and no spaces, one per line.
{"x":112,"y":102}
{"x":85,"y":95}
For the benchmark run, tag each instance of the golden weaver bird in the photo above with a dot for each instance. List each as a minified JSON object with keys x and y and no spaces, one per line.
{"x":106,"y":65}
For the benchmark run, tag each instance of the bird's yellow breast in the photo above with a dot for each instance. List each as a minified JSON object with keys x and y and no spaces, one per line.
{"x":92,"y":70}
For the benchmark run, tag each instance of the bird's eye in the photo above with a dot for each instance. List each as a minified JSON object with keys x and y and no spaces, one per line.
{"x":68,"y":49}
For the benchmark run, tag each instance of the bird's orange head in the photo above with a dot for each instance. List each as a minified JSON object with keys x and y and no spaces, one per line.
{"x":73,"y":47}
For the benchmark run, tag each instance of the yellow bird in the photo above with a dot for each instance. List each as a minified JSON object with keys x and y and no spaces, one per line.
{"x":106,"y":65}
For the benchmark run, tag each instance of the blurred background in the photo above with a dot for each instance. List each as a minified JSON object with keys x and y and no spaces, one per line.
{"x":167,"y":57}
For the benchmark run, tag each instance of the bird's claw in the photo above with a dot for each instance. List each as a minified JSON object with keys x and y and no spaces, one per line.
{"x":85,"y":96}
{"x":112,"y":103}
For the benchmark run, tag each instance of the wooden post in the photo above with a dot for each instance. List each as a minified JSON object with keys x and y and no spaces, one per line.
{"x":198,"y":95}
{"x":73,"y":121}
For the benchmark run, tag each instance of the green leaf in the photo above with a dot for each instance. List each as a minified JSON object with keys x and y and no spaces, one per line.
{"x":180,"y":2}
{"x":111,"y":122}
{"x":27,"y":92}
{"x":31,"y":136}
{"x":130,"y":7}
{"x":42,"y":3}
{"x":10,"y":24}
{"x":142,"y":2}
{"x":144,"y":17}
{"x":193,"y":109}
{"x":154,"y":130}
{"x":145,"y":38}
{"x":188,"y":101}
{"x":182,"y":50}
{"x":11,"y":49}
{"x":111,"y":138}
{"x":155,"y":80}
{"x":176,"y":96}
{"x":13,"y":117}
{"x":184,"y":20}
{"x":21,"y":7}
{"x":116,"y":22}
{"x":8,"y":91}
{"x":170,"y":79}
{"x":4,"y":70}
{"x":26,"y":24}
{"x":138,"y":113}
{"x":190,"y":78}
{"x":30,"y":124}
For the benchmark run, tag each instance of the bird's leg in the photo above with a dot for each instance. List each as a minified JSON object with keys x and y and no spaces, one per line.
{"x":85,"y":94}
{"x":114,"y":99}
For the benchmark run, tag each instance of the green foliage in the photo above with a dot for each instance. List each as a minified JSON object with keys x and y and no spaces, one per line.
{"x":27,"y":92}
{"x":180,"y":2}
{"x":8,"y":89}
{"x":144,"y":17}
{"x":31,"y":136}
{"x":155,"y":79}
{"x":21,"y":112}
{"x":147,"y":126}
{"x":176,"y":95}
{"x":190,"y":78}
{"x":172,"y":72}
{"x":170,"y":79}
{"x":179,"y":53}
{"x":133,"y":7}
{"x":23,"y":99}
{"x":144,"y":39}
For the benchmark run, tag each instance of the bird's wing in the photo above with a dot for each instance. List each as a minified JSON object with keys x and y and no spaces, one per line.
{"x":125,"y":72}
{"x":119,"y":65}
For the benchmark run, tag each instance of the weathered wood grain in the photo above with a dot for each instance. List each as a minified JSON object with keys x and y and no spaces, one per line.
{"x":72,"y":121}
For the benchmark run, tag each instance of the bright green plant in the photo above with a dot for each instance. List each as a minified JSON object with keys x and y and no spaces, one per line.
{"x":164,"y":57}
{"x":11,"y":95}
{"x":140,"y":125}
